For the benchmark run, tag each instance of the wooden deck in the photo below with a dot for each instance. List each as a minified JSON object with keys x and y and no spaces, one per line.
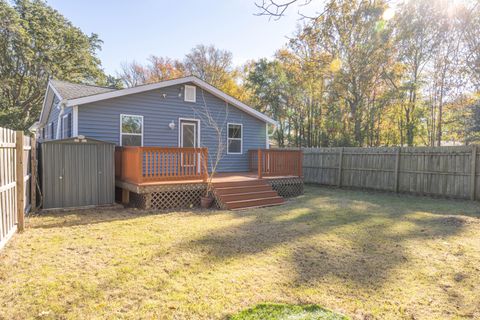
{"x":146,"y":166}
{"x":159,"y":177}
{"x":219,"y":177}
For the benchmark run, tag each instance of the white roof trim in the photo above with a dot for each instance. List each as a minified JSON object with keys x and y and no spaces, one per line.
{"x":167,"y":83}
{"x":45,"y":99}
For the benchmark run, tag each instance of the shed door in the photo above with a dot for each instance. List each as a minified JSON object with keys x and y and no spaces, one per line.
{"x":81,"y":187}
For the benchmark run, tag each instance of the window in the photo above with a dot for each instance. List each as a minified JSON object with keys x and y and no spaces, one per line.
{"x":131,"y":130}
{"x":67,"y":126}
{"x":234,"y":138}
{"x":51,"y":131}
{"x":190,"y":93}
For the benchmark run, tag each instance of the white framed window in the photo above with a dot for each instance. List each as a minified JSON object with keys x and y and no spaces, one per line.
{"x":131,"y":130}
{"x":67,"y":126}
{"x":234,"y":138}
{"x":190,"y":93}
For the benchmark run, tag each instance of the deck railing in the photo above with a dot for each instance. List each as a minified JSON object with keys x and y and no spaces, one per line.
{"x":276,"y":162}
{"x":151,"y":164}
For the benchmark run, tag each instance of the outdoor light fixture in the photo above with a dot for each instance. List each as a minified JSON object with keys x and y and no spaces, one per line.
{"x":171,"y":125}
{"x":164,"y":95}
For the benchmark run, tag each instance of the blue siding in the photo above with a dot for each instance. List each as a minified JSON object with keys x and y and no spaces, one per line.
{"x":53,"y":117}
{"x":101,"y":120}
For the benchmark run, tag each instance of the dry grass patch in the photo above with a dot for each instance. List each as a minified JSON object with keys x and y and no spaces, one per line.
{"x":367,"y":255}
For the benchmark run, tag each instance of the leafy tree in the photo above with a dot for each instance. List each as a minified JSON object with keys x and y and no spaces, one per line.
{"x":38,"y":43}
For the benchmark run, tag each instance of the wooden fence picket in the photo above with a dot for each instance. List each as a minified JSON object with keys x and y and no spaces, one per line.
{"x":17,"y":181}
{"x":440,"y":171}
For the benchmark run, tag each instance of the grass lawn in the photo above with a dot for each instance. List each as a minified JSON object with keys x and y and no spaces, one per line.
{"x":365,"y":255}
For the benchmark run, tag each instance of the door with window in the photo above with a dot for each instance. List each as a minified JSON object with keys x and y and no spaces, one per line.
{"x":189,"y":139}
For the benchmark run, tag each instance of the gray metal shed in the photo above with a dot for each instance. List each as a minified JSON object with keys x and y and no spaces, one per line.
{"x":77,"y":172}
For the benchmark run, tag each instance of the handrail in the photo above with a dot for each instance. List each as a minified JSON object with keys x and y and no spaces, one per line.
{"x":276,"y":162}
{"x":151,"y":164}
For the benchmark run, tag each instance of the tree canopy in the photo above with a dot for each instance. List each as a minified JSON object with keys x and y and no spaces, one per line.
{"x":38,"y":43}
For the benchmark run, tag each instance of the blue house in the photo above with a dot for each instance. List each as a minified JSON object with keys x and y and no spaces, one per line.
{"x":170,"y":131}
{"x":172,"y":113}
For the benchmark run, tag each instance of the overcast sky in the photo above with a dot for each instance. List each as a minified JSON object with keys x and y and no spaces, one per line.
{"x":134,"y":30}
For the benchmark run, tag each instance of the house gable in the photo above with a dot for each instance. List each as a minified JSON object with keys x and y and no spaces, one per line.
{"x":160,"y":107}
{"x":168,"y":83}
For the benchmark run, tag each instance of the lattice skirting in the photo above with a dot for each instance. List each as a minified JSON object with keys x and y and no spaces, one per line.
{"x":287,"y":187}
{"x":169,"y":197}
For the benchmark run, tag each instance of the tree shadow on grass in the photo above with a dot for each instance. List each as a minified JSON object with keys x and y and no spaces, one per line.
{"x":363,"y":243}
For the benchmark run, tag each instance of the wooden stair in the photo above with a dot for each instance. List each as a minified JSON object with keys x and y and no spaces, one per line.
{"x":237,"y":195}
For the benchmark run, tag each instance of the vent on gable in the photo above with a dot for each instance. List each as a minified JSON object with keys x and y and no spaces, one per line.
{"x":190,"y":93}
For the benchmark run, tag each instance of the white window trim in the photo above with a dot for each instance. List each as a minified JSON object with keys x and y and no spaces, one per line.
{"x":241,"y":137}
{"x":194,"y":93}
{"x":50,"y":131}
{"x":63,"y":126}
{"x":75,"y":121}
{"x":198,"y":130}
{"x":131,"y":134}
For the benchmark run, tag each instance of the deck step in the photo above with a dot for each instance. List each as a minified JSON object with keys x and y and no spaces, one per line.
{"x":242,"y":189}
{"x":259,"y":202}
{"x":243,"y":183}
{"x":248,"y":195}
{"x":256,"y":207}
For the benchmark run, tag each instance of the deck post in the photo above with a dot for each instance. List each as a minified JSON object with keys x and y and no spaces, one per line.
{"x":205,"y":164}
{"x":139,"y":164}
{"x":125,"y":196}
{"x":259,"y":160}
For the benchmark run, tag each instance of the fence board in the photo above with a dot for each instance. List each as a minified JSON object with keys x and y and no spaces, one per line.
{"x":10,"y":185}
{"x":439,"y":171}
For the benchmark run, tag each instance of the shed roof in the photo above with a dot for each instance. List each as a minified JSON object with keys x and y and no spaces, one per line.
{"x":79,"y":139}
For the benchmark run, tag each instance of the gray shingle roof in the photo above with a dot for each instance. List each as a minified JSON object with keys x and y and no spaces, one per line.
{"x":73,"y":90}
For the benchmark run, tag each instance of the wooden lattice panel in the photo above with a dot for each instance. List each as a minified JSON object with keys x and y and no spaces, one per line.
{"x":138,"y":200}
{"x":169,"y":197}
{"x":287,"y":187}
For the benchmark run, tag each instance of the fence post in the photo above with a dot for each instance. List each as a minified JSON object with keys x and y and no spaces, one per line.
{"x":20,"y":181}
{"x":473,"y":173}
{"x":259,"y":163}
{"x":340,"y":165}
{"x":397,"y":169}
{"x":300,"y":163}
{"x":33,"y":174}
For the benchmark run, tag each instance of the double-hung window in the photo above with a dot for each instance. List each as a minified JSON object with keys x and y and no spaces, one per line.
{"x":131,"y":130}
{"x":234,"y":138}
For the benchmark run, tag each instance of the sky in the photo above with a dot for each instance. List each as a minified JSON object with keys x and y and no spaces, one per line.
{"x":134,"y":30}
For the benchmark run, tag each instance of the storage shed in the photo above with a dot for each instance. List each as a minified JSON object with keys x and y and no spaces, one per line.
{"x":77,"y":172}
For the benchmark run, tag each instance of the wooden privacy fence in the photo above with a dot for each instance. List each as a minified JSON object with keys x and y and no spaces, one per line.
{"x":151,"y":164}
{"x":17,"y":181}
{"x":440,"y":171}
